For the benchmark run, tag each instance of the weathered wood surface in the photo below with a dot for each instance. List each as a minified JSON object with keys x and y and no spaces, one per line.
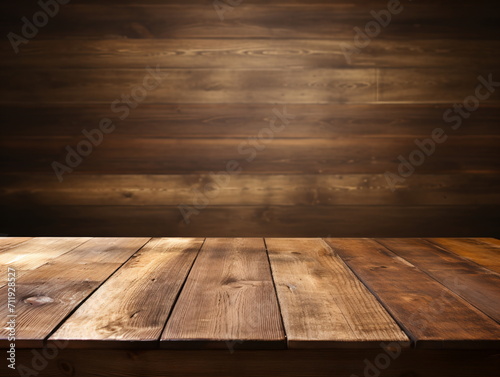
{"x":228,"y":300}
{"x":433,"y":315}
{"x":45,"y":296}
{"x":354,"y":115}
{"x":322,"y":302}
{"x":131,"y":308}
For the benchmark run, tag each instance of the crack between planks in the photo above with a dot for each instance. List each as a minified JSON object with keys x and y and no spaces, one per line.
{"x":404,"y":329}
{"x":158,"y":341}
{"x":439,"y":247}
{"x":61,"y":323}
{"x":458,"y":295}
{"x":276,"y":292}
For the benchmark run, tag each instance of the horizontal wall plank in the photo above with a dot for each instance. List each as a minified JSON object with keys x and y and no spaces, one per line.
{"x":268,"y":86}
{"x":243,"y":120}
{"x":447,"y":85}
{"x":354,"y":155}
{"x":262,"y":20}
{"x":189,"y":86}
{"x":249,"y":53}
{"x":257,"y":190}
{"x":256,"y":221}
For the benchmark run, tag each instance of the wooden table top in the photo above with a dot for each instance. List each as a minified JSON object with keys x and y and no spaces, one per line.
{"x":253,"y":293}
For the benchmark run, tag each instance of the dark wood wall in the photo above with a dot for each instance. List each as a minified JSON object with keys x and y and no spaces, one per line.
{"x":223,"y":81}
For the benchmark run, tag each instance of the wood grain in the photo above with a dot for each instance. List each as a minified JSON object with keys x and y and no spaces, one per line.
{"x":322,"y":303}
{"x":254,"y":221}
{"x":260,"y":20}
{"x":228,"y":298}
{"x":250,"y":190}
{"x":9,"y":242}
{"x":134,"y":317}
{"x":349,"y":155}
{"x":268,"y":86}
{"x":249,"y":53}
{"x":228,"y":120}
{"x":46,"y":295}
{"x":483,"y":253}
{"x":479,"y":286}
{"x":224,"y":79}
{"x":36,"y":252}
{"x":431,"y":314}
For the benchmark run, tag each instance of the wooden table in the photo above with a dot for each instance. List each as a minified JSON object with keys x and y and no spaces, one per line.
{"x":253,"y":306}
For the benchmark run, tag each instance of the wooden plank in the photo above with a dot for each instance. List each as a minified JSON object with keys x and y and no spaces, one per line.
{"x":250,"y":189}
{"x":46,"y":295}
{"x":278,"y":363}
{"x":254,"y":221}
{"x":265,"y":86}
{"x":116,"y":317}
{"x":489,"y":241}
{"x":9,"y":242}
{"x":36,"y":252}
{"x":424,"y":85}
{"x":322,"y":303}
{"x":483,"y":253}
{"x":431,"y":314}
{"x":190,"y":86}
{"x":249,"y":20}
{"x":349,"y":155}
{"x":249,"y":53}
{"x":479,"y":286}
{"x":222,"y":121}
{"x":228,"y":297}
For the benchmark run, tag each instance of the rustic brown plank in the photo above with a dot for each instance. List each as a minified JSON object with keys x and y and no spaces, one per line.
{"x":430,"y":313}
{"x":131,"y":308}
{"x":198,"y":121}
{"x":349,"y":155}
{"x":249,"y":20}
{"x":268,"y":86}
{"x":483,"y":253}
{"x":249,"y":53}
{"x":424,"y":85}
{"x":479,"y":286}
{"x":322,"y":303}
{"x":46,"y":295}
{"x":251,"y":189}
{"x":254,"y":221}
{"x":36,"y":252}
{"x":228,"y":297}
{"x":190,"y":86}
